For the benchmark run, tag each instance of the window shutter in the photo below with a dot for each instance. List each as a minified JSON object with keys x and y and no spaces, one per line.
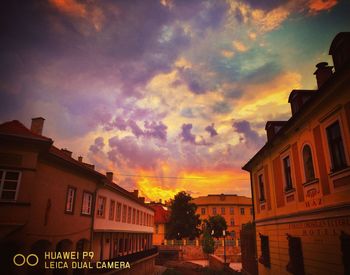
{"x":278,"y":181}
{"x":267,"y":187}
{"x":298,"y":182}
{"x":256,"y":188}
{"x":321,"y":160}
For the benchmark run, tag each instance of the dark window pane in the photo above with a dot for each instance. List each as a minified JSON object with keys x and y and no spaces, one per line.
{"x":12,"y":175}
{"x":308,"y":163}
{"x":8,"y":195}
{"x":10,"y":185}
{"x":336,"y":147}
{"x":287,"y":173}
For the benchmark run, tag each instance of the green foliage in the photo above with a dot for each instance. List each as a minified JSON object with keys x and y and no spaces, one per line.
{"x":208,"y":243}
{"x":215,"y":224}
{"x":183,"y":220}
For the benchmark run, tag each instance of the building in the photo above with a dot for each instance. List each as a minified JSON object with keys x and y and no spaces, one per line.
{"x":50,"y":201}
{"x":301,"y":177}
{"x":236,"y":210}
{"x":161,"y":217}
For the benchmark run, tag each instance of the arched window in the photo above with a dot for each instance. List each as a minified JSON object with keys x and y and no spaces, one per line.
{"x":308,"y":163}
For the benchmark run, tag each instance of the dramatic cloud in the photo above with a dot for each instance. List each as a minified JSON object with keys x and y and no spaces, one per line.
{"x":162,"y":80}
{"x":250,"y":137}
{"x":186,"y":133}
{"x":211,"y":130}
{"x":97,"y":146}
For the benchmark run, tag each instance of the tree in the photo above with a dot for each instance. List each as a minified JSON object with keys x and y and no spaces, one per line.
{"x":215,"y":225}
{"x":208,"y":243}
{"x":183,"y":220}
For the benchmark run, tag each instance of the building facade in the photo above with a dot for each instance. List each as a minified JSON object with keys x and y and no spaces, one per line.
{"x":236,"y":210}
{"x":161,"y":218}
{"x":50,"y":201}
{"x":301,"y":177}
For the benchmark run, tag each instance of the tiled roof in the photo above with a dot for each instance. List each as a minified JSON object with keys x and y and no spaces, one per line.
{"x":16,"y":128}
{"x":161,"y":215}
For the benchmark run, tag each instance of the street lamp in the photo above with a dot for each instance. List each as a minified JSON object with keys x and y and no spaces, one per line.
{"x":224,"y":234}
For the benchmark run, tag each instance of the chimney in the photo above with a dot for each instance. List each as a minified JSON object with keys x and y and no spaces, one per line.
{"x":136,"y":193}
{"x":109,"y":176}
{"x":323,"y":72}
{"x":37,"y":125}
{"x":80,"y":159}
{"x":67,"y":152}
{"x":142,"y":199}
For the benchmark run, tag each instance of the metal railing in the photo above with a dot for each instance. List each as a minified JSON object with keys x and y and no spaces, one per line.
{"x":196,"y":242}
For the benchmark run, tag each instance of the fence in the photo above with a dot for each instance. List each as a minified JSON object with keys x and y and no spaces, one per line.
{"x":196,"y":242}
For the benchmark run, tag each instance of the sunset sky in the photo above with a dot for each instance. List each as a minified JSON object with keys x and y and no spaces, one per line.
{"x":170,"y":95}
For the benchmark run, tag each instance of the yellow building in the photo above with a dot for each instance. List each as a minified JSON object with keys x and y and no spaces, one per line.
{"x":301,"y":177}
{"x":236,"y":210}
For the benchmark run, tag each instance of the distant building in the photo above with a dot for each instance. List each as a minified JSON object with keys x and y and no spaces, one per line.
{"x":236,"y":210}
{"x":161,"y":218}
{"x":50,"y":201}
{"x":301,"y":177}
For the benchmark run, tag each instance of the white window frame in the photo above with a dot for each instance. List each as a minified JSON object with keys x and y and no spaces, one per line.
{"x":86,"y":208}
{"x":68,"y":196}
{"x":2,"y":181}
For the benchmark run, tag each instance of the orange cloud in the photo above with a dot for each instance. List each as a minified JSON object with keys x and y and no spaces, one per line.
{"x":70,"y":6}
{"x":320,"y":5}
{"x":92,"y":13}
{"x":239,"y":46}
{"x":203,"y":182}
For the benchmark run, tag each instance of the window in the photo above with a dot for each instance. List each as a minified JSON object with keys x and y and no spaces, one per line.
{"x":129,"y":214}
{"x":101,"y":205}
{"x":242,"y":211}
{"x":345,"y":249}
{"x":232,"y":222}
{"x":336,"y":147}
{"x":141,"y":215}
{"x":9,"y":184}
{"x":222,"y":210}
{"x":138,"y":217}
{"x":157,"y":228}
{"x":203,"y":211}
{"x":308,"y":164}
{"x":70,"y":199}
{"x":124,"y":213}
{"x":265,"y":251}
{"x":119,"y":212}
{"x":287,"y":174}
{"x":133,"y":215}
{"x":296,"y":261}
{"x":231,"y":210}
{"x":111,"y":210}
{"x":214,"y":210}
{"x":261,"y":187}
{"x":87,"y":203}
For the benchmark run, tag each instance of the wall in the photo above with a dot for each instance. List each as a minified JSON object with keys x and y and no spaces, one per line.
{"x":113,"y":225}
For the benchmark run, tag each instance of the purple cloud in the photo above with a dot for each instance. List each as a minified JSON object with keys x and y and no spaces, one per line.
{"x":127,"y":151}
{"x":211,"y":130}
{"x":250,"y":137}
{"x":186,"y":134}
{"x":155,"y":130}
{"x":135,"y":129}
{"x":97,"y":146}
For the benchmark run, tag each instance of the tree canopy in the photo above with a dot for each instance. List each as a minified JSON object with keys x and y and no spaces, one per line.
{"x":215,"y":225}
{"x":183,"y":220}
